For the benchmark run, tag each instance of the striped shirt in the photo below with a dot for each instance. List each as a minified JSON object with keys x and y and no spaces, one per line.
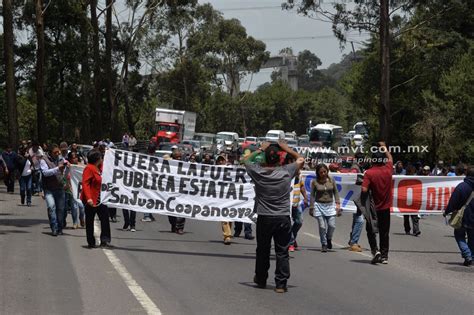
{"x":297,"y":191}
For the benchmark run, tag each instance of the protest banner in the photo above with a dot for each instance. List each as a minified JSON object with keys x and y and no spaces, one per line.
{"x":147,"y":183}
{"x":411,"y":194}
{"x":76,"y":180}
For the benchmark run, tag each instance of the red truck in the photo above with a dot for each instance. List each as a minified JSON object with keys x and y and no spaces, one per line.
{"x":174,"y":125}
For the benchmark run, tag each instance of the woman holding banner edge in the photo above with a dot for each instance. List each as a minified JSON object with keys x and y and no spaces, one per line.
{"x":90,"y":196}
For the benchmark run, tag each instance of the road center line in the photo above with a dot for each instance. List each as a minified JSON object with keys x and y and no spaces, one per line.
{"x":148,"y":305}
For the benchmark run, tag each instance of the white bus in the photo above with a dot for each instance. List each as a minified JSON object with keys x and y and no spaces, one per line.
{"x":326,"y":135}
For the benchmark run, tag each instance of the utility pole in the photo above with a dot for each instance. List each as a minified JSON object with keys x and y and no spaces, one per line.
{"x":40,"y":107}
{"x":385,"y":119}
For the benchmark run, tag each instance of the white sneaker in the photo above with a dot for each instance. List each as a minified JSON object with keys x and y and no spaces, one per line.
{"x":133,"y":230}
{"x":376,"y":258}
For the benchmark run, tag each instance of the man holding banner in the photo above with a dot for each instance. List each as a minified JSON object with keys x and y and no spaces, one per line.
{"x":272,"y":205}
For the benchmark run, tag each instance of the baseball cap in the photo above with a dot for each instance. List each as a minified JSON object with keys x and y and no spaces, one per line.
{"x":426,"y":168}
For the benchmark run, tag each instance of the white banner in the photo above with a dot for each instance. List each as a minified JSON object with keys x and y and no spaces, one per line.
{"x":147,"y":183}
{"x":76,"y":180}
{"x":411,"y":194}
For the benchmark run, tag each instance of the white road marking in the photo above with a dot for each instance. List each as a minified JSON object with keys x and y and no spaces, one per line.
{"x":342,"y":246}
{"x":148,"y":305}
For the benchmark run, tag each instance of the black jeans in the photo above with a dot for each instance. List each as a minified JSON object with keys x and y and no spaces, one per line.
{"x":383,"y":219}
{"x":238,"y":229}
{"x":113,"y":213}
{"x":9,"y":181}
{"x":177,"y":223}
{"x":129,"y":218}
{"x":416,"y":223}
{"x":278,"y":228}
{"x":103,"y":213}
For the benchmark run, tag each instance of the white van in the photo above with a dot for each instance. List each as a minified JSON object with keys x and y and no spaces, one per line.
{"x":290,"y":136}
{"x":275,"y":135}
{"x":358,"y":140}
{"x":227,"y":141}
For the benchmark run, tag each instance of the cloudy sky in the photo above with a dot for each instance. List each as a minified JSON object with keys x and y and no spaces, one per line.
{"x":265,"y":20}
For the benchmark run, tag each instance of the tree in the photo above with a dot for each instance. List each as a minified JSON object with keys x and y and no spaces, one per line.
{"x":96,"y":103}
{"x":109,"y":86}
{"x":372,"y":16}
{"x":10,"y":73}
{"x":226,"y":48}
{"x":40,"y":103}
{"x":85,"y":73}
{"x":138,"y":27}
{"x":447,"y":115}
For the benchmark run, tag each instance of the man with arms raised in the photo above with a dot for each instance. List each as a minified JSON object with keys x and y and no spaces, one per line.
{"x":272,"y":204}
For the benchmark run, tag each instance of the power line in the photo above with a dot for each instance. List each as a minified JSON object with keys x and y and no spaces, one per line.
{"x":251,"y":8}
{"x":272,"y":7}
{"x":303,"y":37}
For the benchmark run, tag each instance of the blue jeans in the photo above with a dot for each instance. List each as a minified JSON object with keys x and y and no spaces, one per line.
{"x":466,"y":248}
{"x":327,"y":225}
{"x":297,"y":216}
{"x":70,"y":204}
{"x":55,"y":203}
{"x":357,"y":224}
{"x":80,"y":207}
{"x":25,"y":188}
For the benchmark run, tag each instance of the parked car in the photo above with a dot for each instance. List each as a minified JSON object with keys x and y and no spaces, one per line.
{"x":275,"y":135}
{"x":346,"y":141}
{"x":195,"y":144}
{"x":186,"y":149}
{"x":249,"y":141}
{"x":290,"y":136}
{"x":260,"y":140}
{"x":229,"y":141}
{"x":303,"y":142}
{"x":207,"y":141}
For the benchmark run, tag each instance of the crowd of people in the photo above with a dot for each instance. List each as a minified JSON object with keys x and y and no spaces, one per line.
{"x":45,"y":170}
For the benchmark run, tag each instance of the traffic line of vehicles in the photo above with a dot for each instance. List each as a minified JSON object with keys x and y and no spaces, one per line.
{"x":176,"y":129}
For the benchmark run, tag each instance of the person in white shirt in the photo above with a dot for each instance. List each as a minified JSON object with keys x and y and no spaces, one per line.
{"x":36,"y":153}
{"x":24,"y":164}
{"x":132,"y":142}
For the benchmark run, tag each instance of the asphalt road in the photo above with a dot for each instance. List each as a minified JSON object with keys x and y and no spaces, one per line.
{"x":153,"y":270}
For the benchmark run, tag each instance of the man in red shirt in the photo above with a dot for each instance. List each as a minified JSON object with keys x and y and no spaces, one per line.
{"x":378,"y":179}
